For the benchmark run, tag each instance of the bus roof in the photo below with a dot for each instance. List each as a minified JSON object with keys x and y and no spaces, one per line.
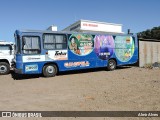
{"x":67,"y":32}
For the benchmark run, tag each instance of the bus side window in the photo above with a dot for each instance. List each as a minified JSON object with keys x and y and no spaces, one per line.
{"x":31,"y":45}
{"x":55,"y":41}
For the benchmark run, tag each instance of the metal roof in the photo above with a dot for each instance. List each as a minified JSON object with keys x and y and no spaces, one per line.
{"x":68,"y":32}
{"x":143,"y":39}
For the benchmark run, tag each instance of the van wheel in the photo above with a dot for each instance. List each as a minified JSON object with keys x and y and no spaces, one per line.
{"x":111,"y":65}
{"x":4,"y":68}
{"x":49,"y":70}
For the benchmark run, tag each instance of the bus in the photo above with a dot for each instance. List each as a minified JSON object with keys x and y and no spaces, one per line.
{"x":48,"y":52}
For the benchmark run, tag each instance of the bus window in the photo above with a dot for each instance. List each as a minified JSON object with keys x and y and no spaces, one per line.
{"x":54,"y":42}
{"x":31,"y":45}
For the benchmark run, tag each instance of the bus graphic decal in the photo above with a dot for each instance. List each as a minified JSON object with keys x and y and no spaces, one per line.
{"x":124,"y":48}
{"x":31,"y":68}
{"x":81,"y":44}
{"x":76,"y":64}
{"x":104,"y":46}
{"x":58,"y":54}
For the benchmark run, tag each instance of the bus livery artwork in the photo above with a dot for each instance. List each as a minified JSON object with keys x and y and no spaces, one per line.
{"x":124,"y":48}
{"x":104,"y":46}
{"x":57,"y":55}
{"x":81,"y":44}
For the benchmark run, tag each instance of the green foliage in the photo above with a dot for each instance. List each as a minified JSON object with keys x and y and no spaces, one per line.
{"x":153,"y":33}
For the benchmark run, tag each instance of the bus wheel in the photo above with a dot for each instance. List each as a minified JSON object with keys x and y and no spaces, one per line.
{"x":4,"y":68}
{"x":49,"y":70}
{"x":111,"y":65}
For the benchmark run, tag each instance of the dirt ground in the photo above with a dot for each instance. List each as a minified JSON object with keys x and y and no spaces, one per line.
{"x":125,"y":89}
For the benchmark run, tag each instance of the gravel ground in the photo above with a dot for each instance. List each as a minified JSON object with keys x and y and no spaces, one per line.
{"x":125,"y":89}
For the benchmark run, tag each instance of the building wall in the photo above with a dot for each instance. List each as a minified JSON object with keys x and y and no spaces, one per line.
{"x":101,"y":27}
{"x":94,"y":26}
{"x":149,"y":52}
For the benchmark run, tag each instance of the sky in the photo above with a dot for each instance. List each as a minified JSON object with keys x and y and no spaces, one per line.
{"x":136,"y":15}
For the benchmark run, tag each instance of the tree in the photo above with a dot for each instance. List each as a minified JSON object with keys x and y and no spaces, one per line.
{"x":153,"y":33}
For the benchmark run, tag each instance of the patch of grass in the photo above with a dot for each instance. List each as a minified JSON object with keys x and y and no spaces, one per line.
{"x":148,"y":66}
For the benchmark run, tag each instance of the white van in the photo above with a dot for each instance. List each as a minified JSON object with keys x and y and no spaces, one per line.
{"x":6,"y":56}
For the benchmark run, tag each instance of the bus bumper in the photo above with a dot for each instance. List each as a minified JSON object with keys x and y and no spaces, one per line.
{"x":19,"y":71}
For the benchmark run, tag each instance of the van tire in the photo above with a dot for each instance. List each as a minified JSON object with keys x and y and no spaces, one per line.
{"x":111,"y":65}
{"x":50,"y":70}
{"x":4,"y":68}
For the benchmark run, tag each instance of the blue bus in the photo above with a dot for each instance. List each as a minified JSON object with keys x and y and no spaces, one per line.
{"x":49,"y":52}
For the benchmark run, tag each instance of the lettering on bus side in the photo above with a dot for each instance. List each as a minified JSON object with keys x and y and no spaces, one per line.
{"x":29,"y":68}
{"x":58,"y":54}
{"x":77,"y":64}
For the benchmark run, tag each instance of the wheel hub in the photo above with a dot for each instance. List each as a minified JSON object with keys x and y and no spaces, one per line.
{"x":111,"y":65}
{"x":50,"y":69}
{"x":3,"y":69}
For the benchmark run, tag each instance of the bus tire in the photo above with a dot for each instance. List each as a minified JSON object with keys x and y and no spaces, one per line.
{"x":111,"y":65}
{"x":4,"y":68}
{"x":49,"y":70}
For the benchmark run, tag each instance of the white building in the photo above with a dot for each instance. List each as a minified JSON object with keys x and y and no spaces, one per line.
{"x":94,"y":26}
{"x":52,"y":28}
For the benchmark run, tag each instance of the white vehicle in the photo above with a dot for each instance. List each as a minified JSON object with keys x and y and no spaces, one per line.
{"x":6,"y":56}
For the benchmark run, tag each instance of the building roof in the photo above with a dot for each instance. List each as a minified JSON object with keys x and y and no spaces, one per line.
{"x":94,"y":26}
